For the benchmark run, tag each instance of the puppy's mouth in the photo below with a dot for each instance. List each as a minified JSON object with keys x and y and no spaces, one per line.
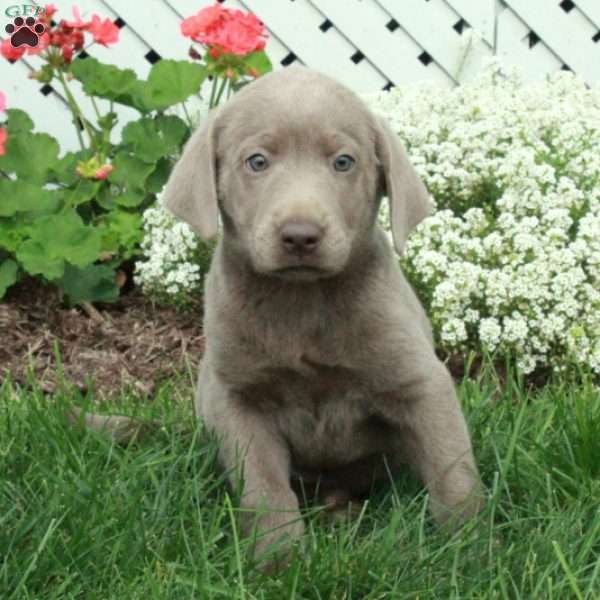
{"x":301,"y":272}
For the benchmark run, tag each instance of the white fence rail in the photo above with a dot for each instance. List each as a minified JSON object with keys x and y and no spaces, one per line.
{"x":367,"y":44}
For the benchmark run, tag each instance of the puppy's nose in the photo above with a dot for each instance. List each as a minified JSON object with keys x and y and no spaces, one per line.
{"x":300,"y":237}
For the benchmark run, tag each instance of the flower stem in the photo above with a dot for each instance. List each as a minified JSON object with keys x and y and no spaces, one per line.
{"x":95,"y":107}
{"x":77,"y":113}
{"x":211,"y":102}
{"x":221,"y":89}
{"x":187,"y":115}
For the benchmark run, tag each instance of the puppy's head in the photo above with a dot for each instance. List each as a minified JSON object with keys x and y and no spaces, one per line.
{"x":296,"y":164}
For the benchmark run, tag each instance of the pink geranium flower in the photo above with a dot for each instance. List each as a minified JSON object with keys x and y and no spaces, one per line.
{"x":207,"y":20}
{"x":9,"y":52}
{"x":78,"y":22}
{"x":103,"y":172}
{"x":104,"y":32}
{"x":241,"y":35}
{"x":226,"y":30}
{"x":49,"y":11}
{"x":3,"y":137}
{"x":2,"y":101}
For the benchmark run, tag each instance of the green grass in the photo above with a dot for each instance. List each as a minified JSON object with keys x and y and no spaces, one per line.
{"x":83,"y":518}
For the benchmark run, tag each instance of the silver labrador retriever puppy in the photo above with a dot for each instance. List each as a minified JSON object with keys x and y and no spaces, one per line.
{"x":319,"y":358}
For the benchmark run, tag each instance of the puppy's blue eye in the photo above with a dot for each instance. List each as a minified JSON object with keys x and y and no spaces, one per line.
{"x":343,"y":163}
{"x":257,"y":162}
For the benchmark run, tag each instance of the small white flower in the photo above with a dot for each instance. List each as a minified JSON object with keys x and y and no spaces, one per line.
{"x":511,"y":257}
{"x":489,"y":332}
{"x":171,"y":250}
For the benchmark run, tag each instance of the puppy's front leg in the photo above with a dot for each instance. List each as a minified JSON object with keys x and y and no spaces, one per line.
{"x":252,"y":451}
{"x":436,"y":442}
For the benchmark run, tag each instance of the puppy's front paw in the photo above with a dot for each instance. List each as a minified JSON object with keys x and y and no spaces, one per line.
{"x":457,"y":501}
{"x":275,"y":535}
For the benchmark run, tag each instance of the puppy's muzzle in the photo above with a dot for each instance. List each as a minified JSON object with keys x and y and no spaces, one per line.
{"x":300,"y":238}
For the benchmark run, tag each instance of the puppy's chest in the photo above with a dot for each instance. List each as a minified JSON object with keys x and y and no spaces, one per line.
{"x":327,"y":433}
{"x":323,"y":412}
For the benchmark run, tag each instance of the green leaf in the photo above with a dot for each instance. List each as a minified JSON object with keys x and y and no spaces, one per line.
{"x":30,"y":156}
{"x":20,"y":196}
{"x":121,"y":230}
{"x":129,"y":171}
{"x":157,"y":180}
{"x":12,"y":234}
{"x":169,"y":82}
{"x":259,"y":61}
{"x":18,"y":122}
{"x":106,"y":196}
{"x":92,"y":283}
{"x":63,"y":170}
{"x":57,"y":239}
{"x":36,"y":260}
{"x":130,"y":198}
{"x":137,"y":97}
{"x":83,"y":191}
{"x":173,"y":81}
{"x":174,"y":131}
{"x":105,"y":81}
{"x":152,"y":139}
{"x":144,"y":140}
{"x":8,"y":275}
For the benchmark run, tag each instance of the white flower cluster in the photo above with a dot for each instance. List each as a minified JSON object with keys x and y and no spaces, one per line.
{"x":510,"y":261}
{"x":175,"y":260}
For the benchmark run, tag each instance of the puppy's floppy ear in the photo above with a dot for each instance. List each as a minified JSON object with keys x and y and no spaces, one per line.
{"x":191,"y":192}
{"x":407,"y":195}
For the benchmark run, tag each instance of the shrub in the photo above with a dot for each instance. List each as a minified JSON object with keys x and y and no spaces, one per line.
{"x":174,"y":262}
{"x":510,"y":261}
{"x":73,"y":219}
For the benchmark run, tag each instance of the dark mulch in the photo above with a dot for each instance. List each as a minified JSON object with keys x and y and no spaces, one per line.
{"x":131,"y":343}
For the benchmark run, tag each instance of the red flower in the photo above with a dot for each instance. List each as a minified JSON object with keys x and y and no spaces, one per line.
{"x":10,"y":52}
{"x":67,"y":53}
{"x":3,"y":136}
{"x":104,"y":32}
{"x":226,"y":30}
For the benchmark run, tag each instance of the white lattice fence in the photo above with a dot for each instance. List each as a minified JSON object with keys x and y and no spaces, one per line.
{"x":367,"y":44}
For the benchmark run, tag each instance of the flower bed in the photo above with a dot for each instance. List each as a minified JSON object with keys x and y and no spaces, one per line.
{"x":510,"y":261}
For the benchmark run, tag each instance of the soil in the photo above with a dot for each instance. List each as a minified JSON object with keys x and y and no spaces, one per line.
{"x":108,"y":347}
